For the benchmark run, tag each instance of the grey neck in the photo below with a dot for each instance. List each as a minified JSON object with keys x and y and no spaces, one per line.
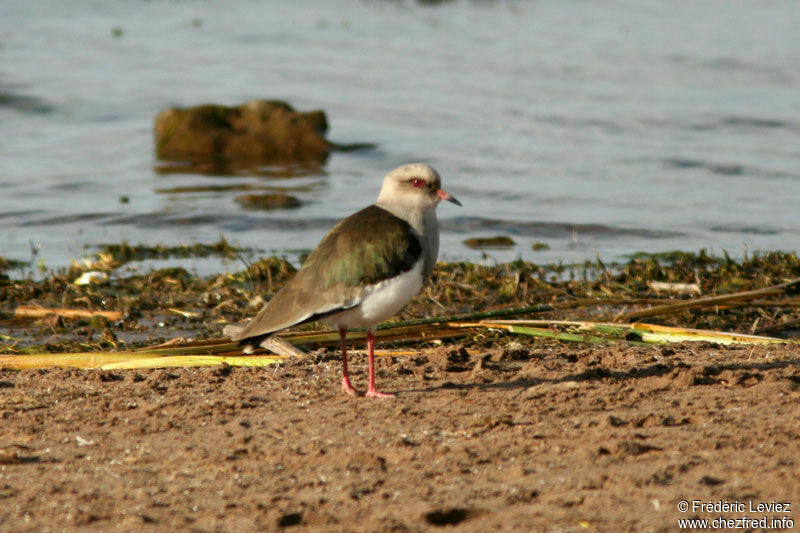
{"x":430,"y":240}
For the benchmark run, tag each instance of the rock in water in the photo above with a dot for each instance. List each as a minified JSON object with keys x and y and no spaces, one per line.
{"x":259,"y":132}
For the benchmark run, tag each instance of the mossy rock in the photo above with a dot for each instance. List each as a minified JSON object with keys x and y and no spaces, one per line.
{"x":259,"y":132}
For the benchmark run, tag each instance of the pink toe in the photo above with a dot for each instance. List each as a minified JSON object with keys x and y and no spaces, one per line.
{"x":374,"y":393}
{"x":348,"y":388}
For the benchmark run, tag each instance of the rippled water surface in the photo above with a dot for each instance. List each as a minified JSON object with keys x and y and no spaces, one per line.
{"x":598,"y":128}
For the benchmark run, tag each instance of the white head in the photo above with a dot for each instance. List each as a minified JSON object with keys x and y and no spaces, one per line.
{"x":413,"y":187}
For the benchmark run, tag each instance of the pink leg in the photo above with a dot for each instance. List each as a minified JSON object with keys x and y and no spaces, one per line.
{"x":347,"y":387}
{"x":373,"y":392}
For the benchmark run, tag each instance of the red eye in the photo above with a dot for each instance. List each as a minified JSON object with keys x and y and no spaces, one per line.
{"x":417,"y":182}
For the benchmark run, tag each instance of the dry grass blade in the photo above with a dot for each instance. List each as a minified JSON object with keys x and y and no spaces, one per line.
{"x":68,"y":360}
{"x":663,"y":334}
{"x":185,"y":361}
{"x":608,"y":332}
{"x":581,"y":324}
{"x":217,"y":346}
{"x":791,"y":302}
{"x":708,"y":301}
{"x":131,"y":360}
{"x":209,"y":347}
{"x":32,"y":311}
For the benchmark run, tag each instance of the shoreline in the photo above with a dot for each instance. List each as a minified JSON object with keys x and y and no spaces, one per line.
{"x":157,"y":305}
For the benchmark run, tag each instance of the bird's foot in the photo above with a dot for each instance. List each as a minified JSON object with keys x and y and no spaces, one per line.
{"x":375,"y":393}
{"x":348,"y":388}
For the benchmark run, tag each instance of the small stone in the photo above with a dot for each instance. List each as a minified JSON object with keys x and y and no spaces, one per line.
{"x":268,"y":201}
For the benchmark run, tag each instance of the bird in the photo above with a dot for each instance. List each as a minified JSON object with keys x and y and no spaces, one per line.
{"x":365,"y":269}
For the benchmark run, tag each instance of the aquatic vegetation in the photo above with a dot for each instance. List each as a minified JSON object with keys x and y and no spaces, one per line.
{"x":125,"y":252}
{"x":11,"y":264}
{"x":750,"y":296}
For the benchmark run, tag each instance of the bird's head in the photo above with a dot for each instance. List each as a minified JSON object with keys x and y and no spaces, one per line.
{"x":414,"y":186}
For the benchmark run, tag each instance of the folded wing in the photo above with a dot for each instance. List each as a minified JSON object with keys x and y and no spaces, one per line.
{"x":366,"y":248}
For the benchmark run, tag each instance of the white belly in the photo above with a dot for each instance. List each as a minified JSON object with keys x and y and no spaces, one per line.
{"x":382,"y":300}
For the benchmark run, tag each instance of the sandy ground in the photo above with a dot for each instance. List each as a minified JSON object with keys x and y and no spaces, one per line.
{"x":542,"y":437}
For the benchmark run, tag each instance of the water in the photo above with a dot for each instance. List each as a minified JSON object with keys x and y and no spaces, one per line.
{"x":598,"y":128}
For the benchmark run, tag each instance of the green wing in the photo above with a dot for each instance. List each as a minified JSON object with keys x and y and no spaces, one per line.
{"x":365,"y":248}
